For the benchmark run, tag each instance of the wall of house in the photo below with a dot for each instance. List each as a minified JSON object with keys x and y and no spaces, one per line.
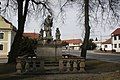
{"x":117,"y":42}
{"x":4,"y":42}
{"x":8,"y":36}
{"x":107,"y":47}
{"x":74,"y":46}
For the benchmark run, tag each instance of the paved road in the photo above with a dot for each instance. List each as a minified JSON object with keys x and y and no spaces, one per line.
{"x":109,"y":57}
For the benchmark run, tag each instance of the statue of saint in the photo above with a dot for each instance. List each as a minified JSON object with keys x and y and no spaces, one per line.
{"x":47,"y":25}
{"x":41,"y":34}
{"x":57,"y":34}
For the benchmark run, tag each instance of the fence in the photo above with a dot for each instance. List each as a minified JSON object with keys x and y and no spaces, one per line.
{"x":34,"y":64}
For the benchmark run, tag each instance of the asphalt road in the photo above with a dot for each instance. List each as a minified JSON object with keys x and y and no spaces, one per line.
{"x":109,"y":57}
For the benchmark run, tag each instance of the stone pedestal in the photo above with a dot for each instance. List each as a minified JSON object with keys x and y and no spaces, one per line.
{"x":46,"y":51}
{"x":82,"y":65}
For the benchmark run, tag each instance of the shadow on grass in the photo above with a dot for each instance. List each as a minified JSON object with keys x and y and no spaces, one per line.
{"x":92,"y":66}
{"x":96,"y":66}
{"x":17,"y":77}
{"x":7,"y":68}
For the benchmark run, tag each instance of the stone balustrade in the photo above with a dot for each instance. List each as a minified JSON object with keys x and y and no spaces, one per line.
{"x":29,"y":64}
{"x":67,"y":64}
{"x":72,"y":65}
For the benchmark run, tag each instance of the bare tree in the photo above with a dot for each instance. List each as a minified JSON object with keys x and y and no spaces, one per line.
{"x":107,"y":8}
{"x":88,"y":7}
{"x":90,"y":11}
{"x":23,"y":7}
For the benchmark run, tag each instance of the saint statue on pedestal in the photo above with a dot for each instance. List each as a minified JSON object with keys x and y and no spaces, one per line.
{"x":57,"y":34}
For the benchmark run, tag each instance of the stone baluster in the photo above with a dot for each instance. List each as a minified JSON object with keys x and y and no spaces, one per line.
{"x":27,"y":66}
{"x":64,"y":65}
{"x":75,"y":66}
{"x":82,"y":65}
{"x":68,"y":65}
{"x":30,"y":61}
{"x":34,"y":63}
{"x":42,"y":66}
{"x":19,"y":66}
{"x":61,"y":65}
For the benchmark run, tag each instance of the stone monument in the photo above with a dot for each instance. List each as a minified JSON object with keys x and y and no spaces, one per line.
{"x":57,"y":34}
{"x":47,"y":28}
{"x":47,"y":46}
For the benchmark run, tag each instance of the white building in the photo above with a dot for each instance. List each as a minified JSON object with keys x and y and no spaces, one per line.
{"x":73,"y":44}
{"x":107,"y":45}
{"x":7,"y":33}
{"x":116,"y":40}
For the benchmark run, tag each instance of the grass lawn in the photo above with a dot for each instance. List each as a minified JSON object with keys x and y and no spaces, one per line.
{"x":7,"y":68}
{"x":96,"y":70}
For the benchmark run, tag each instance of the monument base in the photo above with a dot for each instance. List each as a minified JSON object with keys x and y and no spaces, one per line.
{"x":49,"y":52}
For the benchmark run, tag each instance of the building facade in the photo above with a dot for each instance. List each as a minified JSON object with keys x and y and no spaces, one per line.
{"x":73,"y":44}
{"x":7,"y":33}
{"x":116,"y":40}
{"x":107,"y":45}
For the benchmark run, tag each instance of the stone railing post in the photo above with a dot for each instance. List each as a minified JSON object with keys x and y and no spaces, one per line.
{"x":34,"y":63}
{"x":68,"y":65}
{"x":18,"y":66}
{"x":82,"y":65}
{"x":61,"y":65}
{"x":27,"y":66}
{"x":42,"y":66}
{"x":75,"y":66}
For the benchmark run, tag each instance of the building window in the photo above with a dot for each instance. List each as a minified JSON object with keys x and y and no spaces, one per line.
{"x":119,"y":37}
{"x":1,"y":47}
{"x":105,"y":46}
{"x":119,"y":45}
{"x":1,"y":35}
{"x":115,"y":45}
{"x":115,"y":37}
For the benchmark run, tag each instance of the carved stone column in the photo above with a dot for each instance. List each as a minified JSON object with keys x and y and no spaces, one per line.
{"x":61,"y":65}
{"x":74,"y":66}
{"x":34,"y":64}
{"x":27,"y":66}
{"x":82,"y":65}
{"x":19,"y":66}
{"x":68,"y":65}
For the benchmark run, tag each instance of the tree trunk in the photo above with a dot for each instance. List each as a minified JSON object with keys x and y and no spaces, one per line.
{"x":15,"y":48}
{"x":87,"y":29}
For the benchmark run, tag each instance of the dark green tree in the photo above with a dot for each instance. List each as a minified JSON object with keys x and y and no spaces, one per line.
{"x":27,"y":46}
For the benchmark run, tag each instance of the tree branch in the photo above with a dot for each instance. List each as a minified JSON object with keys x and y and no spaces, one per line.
{"x":25,"y":9}
{"x":44,"y":4}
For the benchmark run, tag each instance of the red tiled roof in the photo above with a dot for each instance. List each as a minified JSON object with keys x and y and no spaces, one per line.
{"x":74,"y":41}
{"x":107,"y":41}
{"x":31,"y":35}
{"x":116,"y":32}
